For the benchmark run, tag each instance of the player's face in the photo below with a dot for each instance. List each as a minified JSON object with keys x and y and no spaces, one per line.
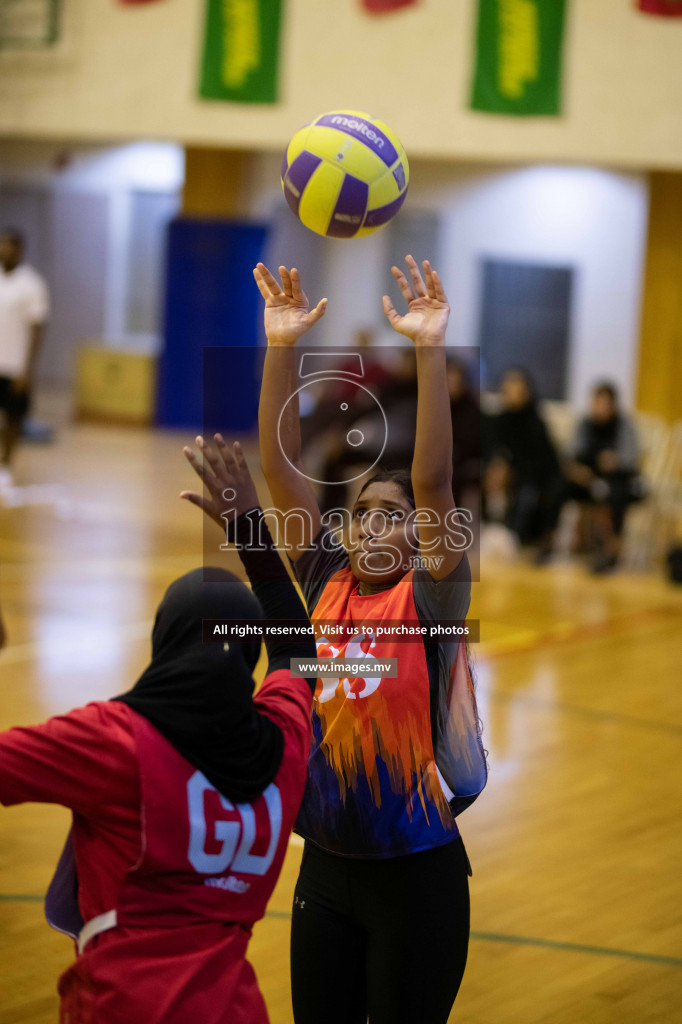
{"x":380,"y":541}
{"x":10,"y":252}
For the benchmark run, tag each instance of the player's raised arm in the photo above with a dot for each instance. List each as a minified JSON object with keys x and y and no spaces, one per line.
{"x":287,"y":318}
{"x":233,"y":501}
{"x":425,"y":324}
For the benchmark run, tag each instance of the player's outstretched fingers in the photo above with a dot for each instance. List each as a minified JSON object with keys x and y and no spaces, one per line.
{"x":297,"y":292}
{"x":434,"y":286}
{"x":390,"y":311}
{"x":268,"y":280}
{"x":428,"y":275}
{"x":226,"y":454}
{"x":417,"y":280}
{"x":240,"y":458}
{"x":196,"y":499}
{"x":286,"y":281}
{"x":198,"y":466}
{"x":222,"y":445}
{"x":208,"y":453}
{"x":262,"y":287}
{"x":213,"y":458}
{"x":438,"y":287}
{"x":316,"y":314}
{"x":404,"y":285}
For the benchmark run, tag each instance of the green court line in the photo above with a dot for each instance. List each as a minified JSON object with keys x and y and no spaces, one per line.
{"x":576,"y":947}
{"x":511,"y":940}
{"x":564,"y":947}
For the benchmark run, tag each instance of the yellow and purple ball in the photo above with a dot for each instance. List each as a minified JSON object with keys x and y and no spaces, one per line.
{"x":345,"y":174}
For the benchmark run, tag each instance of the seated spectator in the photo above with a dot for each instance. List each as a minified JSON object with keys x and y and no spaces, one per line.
{"x":389,"y":427}
{"x":397,"y":397}
{"x":339,"y":392}
{"x":604,"y":472}
{"x":522,"y":485}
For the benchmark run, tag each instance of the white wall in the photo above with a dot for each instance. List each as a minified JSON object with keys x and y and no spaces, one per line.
{"x":594,"y":220}
{"x":591,"y":219}
{"x":76,"y":206}
{"x":105,"y":167}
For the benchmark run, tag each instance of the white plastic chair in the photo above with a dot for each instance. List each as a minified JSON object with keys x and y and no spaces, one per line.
{"x":643,"y":534}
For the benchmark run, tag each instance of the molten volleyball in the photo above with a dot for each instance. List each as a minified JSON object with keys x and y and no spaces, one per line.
{"x":345,"y":174}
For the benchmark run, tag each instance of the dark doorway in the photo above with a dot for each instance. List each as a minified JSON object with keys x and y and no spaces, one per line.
{"x":525,"y":321}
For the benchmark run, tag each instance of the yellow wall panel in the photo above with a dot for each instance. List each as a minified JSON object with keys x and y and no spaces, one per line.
{"x":216,"y":182}
{"x":659,"y":385}
{"x":115,"y":385}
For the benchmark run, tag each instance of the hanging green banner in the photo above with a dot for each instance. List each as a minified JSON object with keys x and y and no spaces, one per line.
{"x":518,"y":56}
{"x":241,"y":51}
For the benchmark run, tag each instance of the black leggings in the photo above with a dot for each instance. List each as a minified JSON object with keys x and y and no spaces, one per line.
{"x":385,"y":938}
{"x":620,"y":490}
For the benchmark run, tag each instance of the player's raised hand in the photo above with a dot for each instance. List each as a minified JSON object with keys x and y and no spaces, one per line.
{"x":226,"y":477}
{"x":287,"y":310}
{"x":428,"y":310}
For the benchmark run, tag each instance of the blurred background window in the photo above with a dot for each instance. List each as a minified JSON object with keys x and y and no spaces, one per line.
{"x":28,"y":24}
{"x":525,"y":321}
{"x":150,"y":214}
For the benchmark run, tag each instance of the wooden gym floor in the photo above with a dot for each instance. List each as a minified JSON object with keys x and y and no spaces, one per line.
{"x":576,"y":843}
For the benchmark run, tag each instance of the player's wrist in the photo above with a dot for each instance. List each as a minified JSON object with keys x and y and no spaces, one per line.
{"x":429,"y":340}
{"x":235,"y":521}
{"x":281,"y":340}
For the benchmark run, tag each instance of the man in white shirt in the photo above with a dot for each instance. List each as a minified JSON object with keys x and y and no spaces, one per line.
{"x":24,"y":306}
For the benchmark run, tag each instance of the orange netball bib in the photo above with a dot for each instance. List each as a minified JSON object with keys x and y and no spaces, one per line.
{"x":373,"y":788}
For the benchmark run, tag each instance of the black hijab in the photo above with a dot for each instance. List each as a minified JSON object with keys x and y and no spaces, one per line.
{"x":520,"y":436}
{"x":199,"y":696}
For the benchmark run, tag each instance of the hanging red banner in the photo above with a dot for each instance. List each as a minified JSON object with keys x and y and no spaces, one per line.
{"x":384,"y":6}
{"x":668,"y":8}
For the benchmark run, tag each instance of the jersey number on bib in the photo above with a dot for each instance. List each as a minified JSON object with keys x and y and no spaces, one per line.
{"x":353,"y":649}
{"x":225,"y":833}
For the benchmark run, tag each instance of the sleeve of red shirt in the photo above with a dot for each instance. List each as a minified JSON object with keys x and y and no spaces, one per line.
{"x":82,"y":760}
{"x":288,"y":702}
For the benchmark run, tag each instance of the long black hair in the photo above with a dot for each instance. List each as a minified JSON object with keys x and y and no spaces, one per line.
{"x":403,"y":478}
